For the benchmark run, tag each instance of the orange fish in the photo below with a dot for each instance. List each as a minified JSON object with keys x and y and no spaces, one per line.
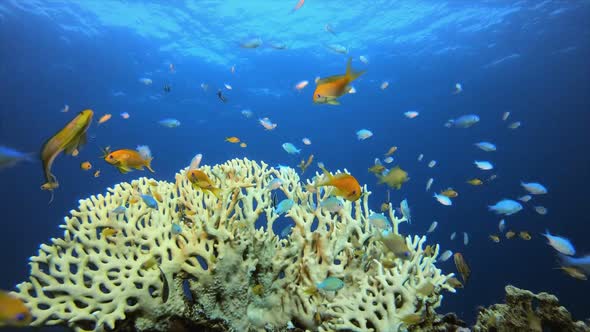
{"x":97,"y":173}
{"x":86,"y":165}
{"x":133,"y":199}
{"x":104,"y":118}
{"x":329,"y":89}
{"x":200,"y":180}
{"x":232,"y":139}
{"x":243,"y":145}
{"x":126,"y":159}
{"x":75,"y":153}
{"x":68,"y":139}
{"x":346,"y":185}
{"x":13,"y":311}
{"x":298,"y":6}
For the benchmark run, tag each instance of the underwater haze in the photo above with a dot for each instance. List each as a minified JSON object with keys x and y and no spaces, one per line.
{"x":203,"y":63}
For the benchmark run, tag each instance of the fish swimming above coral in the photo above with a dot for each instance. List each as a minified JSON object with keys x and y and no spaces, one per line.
{"x":329,"y":89}
{"x":345,"y":185}
{"x":68,"y":139}
{"x":127,"y":159}
{"x":394,"y":178}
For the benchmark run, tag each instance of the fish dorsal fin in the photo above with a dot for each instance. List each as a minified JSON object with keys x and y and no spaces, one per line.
{"x":330,"y":79}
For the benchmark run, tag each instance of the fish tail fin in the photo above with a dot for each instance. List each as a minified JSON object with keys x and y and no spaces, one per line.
{"x":51,"y":197}
{"x":350,"y":74}
{"x":148,"y":165}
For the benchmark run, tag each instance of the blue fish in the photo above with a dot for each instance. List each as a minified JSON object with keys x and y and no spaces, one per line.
{"x":176,"y":229}
{"x":149,"y":201}
{"x":534,"y":188}
{"x":119,"y":209}
{"x":286,"y":231}
{"x":10,"y":157}
{"x":284,"y":206}
{"x":331,"y":284}
{"x":583,"y":263}
{"x":464,"y":121}
{"x":506,"y":207}
{"x":290,"y":148}
{"x":405,"y":209}
{"x":560,"y":244}
{"x":486,"y":146}
{"x":332,"y":204}
{"x":170,"y":123}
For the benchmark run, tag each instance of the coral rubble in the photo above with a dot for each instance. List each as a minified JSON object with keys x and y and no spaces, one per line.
{"x":199,"y":260}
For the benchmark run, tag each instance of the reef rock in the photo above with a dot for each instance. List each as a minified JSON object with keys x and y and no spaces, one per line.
{"x":525,"y":311}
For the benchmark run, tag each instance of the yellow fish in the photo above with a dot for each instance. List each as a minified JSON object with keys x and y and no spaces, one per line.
{"x":329,"y":89}
{"x":449,"y":192}
{"x":525,"y":235}
{"x":232,"y":139}
{"x":68,"y":139}
{"x":510,"y":234}
{"x":395,"y":178}
{"x":377,"y":169}
{"x":200,"y":180}
{"x":304,"y":165}
{"x":475,"y":182}
{"x":495,"y":238}
{"x":107,"y":232}
{"x":574,"y":272}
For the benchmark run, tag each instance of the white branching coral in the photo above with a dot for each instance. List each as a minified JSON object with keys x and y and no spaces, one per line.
{"x":202,"y":260}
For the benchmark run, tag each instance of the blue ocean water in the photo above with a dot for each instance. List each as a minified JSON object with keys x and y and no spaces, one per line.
{"x":526,"y":57}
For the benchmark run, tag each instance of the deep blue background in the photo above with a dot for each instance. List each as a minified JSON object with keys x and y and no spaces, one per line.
{"x":548,"y":91}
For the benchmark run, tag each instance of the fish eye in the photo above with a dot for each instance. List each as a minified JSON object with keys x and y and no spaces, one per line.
{"x":20,"y":317}
{"x":319,"y":96}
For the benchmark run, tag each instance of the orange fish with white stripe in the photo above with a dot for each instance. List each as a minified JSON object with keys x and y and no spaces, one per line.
{"x":329,"y":89}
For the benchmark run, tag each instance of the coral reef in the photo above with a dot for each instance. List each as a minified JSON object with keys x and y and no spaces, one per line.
{"x":199,"y":261}
{"x":526,"y":311}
